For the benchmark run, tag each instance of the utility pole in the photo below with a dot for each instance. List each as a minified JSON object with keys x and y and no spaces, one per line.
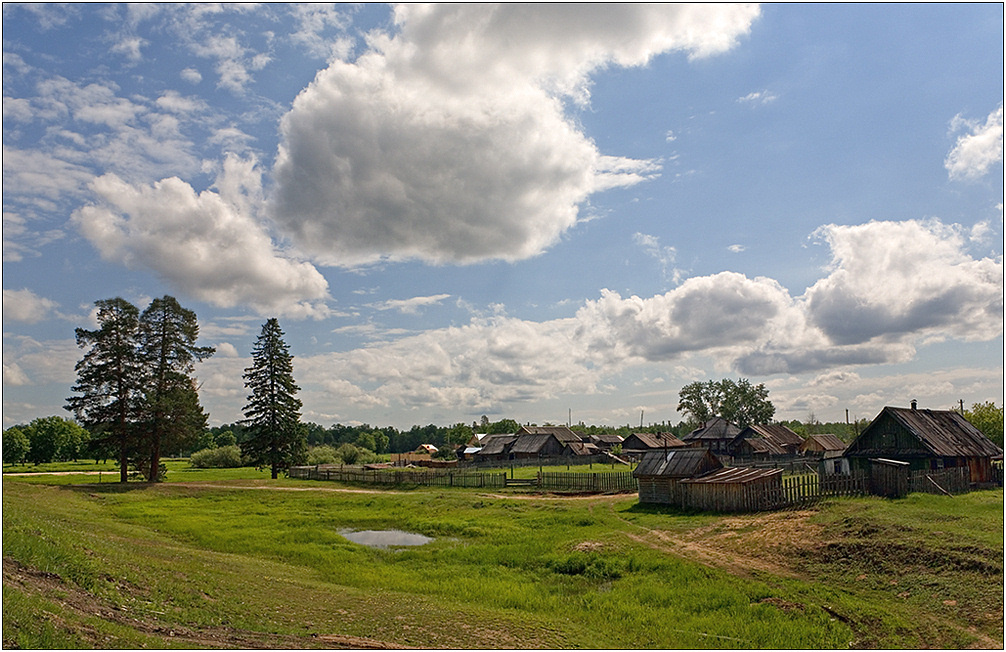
{"x":641,"y":418}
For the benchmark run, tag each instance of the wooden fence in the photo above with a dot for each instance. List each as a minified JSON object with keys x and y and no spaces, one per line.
{"x":551,"y":460}
{"x":424,"y":477}
{"x":946,"y":481}
{"x":605,"y":483}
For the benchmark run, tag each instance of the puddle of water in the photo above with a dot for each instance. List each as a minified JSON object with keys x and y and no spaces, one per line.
{"x":385,"y":538}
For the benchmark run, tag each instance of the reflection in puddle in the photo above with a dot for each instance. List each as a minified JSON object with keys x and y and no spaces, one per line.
{"x":385,"y":538}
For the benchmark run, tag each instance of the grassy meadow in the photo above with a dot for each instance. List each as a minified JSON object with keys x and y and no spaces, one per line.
{"x":229,"y":559}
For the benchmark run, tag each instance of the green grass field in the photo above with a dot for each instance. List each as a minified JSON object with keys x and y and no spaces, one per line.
{"x":216,"y":560}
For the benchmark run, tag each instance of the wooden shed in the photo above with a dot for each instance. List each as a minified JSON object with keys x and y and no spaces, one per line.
{"x":926,"y":440}
{"x":539,"y":445}
{"x":734,"y":490}
{"x":496,"y":447}
{"x":660,"y":472}
{"x":758,"y":448}
{"x":639,"y":444}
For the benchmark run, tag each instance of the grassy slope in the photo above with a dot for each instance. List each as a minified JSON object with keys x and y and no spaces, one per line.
{"x":221,"y":565}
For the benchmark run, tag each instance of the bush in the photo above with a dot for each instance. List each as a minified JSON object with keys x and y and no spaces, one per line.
{"x":224,"y":457}
{"x":322,"y":455}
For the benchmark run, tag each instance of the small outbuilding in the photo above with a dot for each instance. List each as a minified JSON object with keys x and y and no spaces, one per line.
{"x":660,"y":472}
{"x":777,"y":434}
{"x":822,"y":444}
{"x":734,"y":490}
{"x":639,"y":444}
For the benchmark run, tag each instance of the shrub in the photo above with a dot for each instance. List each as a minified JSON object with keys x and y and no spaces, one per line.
{"x":224,"y":457}
{"x":322,"y":455}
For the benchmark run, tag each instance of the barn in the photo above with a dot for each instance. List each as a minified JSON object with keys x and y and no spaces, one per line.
{"x":926,"y":440}
{"x":660,"y":472}
{"x":779,"y":435}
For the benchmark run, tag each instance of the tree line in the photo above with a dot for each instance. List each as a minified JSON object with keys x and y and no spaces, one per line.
{"x":136,"y":400}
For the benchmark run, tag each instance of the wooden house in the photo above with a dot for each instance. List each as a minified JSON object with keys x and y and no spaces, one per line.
{"x":496,"y":447}
{"x":757,"y":448}
{"x":781,"y":437}
{"x":926,"y":440}
{"x":717,"y":434}
{"x":580,"y":449}
{"x":660,"y":472}
{"x":537,"y":445}
{"x":639,"y":444}
{"x":606,"y":441}
{"x":821,"y":444}
{"x":561,"y":433}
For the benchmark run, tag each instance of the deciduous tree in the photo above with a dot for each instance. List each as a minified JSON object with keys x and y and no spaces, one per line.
{"x":273,"y":411}
{"x":740,"y":403}
{"x":988,"y":418}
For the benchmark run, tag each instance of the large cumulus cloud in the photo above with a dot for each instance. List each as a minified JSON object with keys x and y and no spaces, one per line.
{"x":450,"y":141}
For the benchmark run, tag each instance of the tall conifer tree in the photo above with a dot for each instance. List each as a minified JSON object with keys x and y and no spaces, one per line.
{"x":110,"y":378}
{"x":168,"y":335}
{"x":273,"y":411}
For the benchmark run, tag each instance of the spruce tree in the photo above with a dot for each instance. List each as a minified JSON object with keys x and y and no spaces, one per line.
{"x":272,"y":415}
{"x":110,"y":379}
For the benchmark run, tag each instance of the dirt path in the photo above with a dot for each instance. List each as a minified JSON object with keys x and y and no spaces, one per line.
{"x":82,"y":603}
{"x":115,"y":473}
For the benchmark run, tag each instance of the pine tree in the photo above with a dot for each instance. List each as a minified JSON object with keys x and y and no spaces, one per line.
{"x":110,"y":378}
{"x":167,"y":342}
{"x":273,"y":411}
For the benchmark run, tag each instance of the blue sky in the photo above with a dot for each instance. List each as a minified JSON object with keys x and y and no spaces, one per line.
{"x":516,"y":211}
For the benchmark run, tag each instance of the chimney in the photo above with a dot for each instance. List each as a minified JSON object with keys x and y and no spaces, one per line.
{"x":915,"y":404}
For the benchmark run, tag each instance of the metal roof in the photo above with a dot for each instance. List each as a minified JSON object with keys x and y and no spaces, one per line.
{"x":734,"y":475}
{"x":677,"y":463}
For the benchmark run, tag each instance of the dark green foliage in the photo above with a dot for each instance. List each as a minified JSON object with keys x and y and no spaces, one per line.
{"x":15,"y":445}
{"x":272,"y":414}
{"x":173,"y":416}
{"x":740,"y":403}
{"x":111,"y":378}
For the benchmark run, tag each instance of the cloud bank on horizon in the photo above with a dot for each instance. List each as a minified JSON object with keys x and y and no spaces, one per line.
{"x":454,"y":138}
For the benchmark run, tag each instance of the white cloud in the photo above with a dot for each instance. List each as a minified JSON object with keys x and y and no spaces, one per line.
{"x":226,"y":350}
{"x":207,"y":244}
{"x":666,"y":256}
{"x":411,"y":306}
{"x":449,"y":141}
{"x":890,"y":279}
{"x":191,"y":75}
{"x":27,"y":307}
{"x":736,"y":248}
{"x":758,"y":98}
{"x":975,"y":152}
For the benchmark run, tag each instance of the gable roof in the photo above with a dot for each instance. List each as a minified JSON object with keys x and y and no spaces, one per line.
{"x":605,"y":438}
{"x":715,"y":428}
{"x":761,"y":445}
{"x":496,"y":444}
{"x":776,"y":433}
{"x":581,"y":448}
{"x":827,"y":442}
{"x":945,"y":433}
{"x":562,"y":433}
{"x":649,"y":440}
{"x":530,"y":443}
{"x":677,"y":463}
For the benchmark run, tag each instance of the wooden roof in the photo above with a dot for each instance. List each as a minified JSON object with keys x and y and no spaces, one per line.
{"x":734,"y":475}
{"x":827,"y":442}
{"x":767,"y":446}
{"x":582,"y":448}
{"x":496,"y":444}
{"x":945,"y":433}
{"x":715,"y":428}
{"x":530,"y":443}
{"x":638,"y":440}
{"x":677,"y":463}
{"x":562,"y":433}
{"x":777,"y":433}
